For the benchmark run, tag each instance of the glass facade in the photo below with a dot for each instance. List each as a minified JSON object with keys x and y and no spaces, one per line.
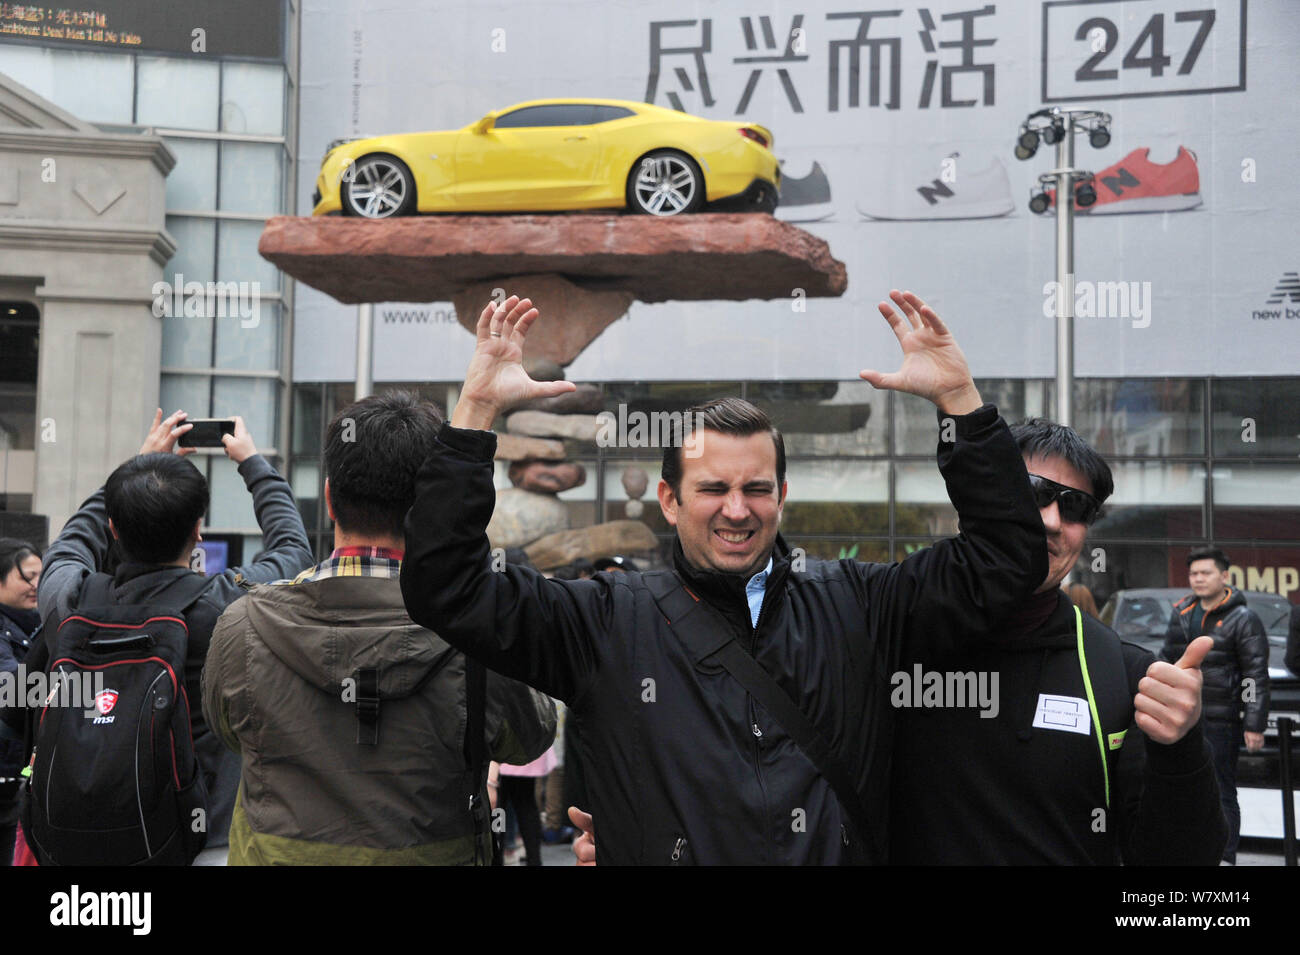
{"x":230,"y":122}
{"x":863,"y":480}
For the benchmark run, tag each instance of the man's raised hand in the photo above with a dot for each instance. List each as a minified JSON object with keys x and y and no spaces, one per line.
{"x":163,"y":434}
{"x":1168,"y":701}
{"x":239,"y":446}
{"x":933,"y":365}
{"x":496,"y":379}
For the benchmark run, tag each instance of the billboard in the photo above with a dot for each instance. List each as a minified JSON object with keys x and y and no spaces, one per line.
{"x":896,"y":129}
{"x":251,"y":28}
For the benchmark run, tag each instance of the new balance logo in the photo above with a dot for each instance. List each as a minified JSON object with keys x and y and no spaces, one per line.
{"x":1288,"y":289}
{"x":1119,"y":180}
{"x":936,"y":188}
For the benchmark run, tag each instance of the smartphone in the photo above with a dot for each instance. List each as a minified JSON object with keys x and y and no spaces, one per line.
{"x":206,"y":432}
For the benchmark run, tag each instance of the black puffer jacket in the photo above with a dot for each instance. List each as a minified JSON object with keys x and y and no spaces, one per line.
{"x":1240,"y":653}
{"x":683,"y":765}
{"x":16,"y":628}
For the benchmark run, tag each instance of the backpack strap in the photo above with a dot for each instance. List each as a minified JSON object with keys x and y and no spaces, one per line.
{"x":708,"y":637}
{"x":99,"y":590}
{"x":96,"y":591}
{"x":186,"y":591}
{"x":1109,"y":702}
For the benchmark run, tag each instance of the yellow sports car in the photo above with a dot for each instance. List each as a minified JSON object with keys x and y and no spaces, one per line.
{"x":552,"y":155}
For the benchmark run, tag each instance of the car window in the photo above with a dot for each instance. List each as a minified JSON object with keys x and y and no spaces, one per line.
{"x":1273,"y":612}
{"x":555,"y":114}
{"x":1150,"y":614}
{"x":603,"y":114}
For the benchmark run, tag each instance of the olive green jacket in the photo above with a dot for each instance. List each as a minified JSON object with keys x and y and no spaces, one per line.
{"x":280,"y":688}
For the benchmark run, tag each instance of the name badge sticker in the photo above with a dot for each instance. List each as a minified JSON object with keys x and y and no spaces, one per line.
{"x":1068,"y":713}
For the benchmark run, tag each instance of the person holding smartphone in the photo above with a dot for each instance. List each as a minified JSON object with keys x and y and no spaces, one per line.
{"x":153,"y":505}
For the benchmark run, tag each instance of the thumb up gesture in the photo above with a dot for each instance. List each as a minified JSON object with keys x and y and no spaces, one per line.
{"x":1168,"y":701}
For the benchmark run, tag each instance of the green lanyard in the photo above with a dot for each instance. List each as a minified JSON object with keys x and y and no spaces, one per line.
{"x":1092,"y":704}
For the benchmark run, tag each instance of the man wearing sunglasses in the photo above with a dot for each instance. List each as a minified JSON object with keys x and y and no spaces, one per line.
{"x":1093,"y":754}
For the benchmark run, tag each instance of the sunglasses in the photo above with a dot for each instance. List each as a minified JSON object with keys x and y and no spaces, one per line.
{"x":1075,"y":505}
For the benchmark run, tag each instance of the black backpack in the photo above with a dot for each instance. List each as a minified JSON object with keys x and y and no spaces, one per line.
{"x":117,"y":782}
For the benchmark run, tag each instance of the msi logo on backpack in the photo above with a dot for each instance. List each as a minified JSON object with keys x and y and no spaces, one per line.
{"x":104,"y":703}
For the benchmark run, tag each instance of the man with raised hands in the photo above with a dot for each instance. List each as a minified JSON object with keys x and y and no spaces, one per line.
{"x":738,"y":705}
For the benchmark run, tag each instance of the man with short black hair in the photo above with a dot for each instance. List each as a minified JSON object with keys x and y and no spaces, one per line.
{"x":1236,"y":671}
{"x":354,"y":723}
{"x":153,"y":505}
{"x":1088,"y":752}
{"x":679,"y":676}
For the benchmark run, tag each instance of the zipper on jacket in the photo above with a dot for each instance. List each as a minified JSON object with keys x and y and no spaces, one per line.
{"x":678,"y":848}
{"x":757,"y":732}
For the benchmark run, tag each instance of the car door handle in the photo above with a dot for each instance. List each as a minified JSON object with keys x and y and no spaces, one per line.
{"x":575,"y":139}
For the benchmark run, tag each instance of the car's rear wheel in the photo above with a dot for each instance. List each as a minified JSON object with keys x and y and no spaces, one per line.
{"x":378,"y":187}
{"x":665,"y":183}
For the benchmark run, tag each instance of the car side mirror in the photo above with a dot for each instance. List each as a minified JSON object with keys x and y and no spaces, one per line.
{"x":484,"y":124}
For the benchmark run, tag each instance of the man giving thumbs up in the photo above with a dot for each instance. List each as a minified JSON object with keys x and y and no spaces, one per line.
{"x":1092,"y":753}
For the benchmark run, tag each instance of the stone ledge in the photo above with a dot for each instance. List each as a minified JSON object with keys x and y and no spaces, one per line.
{"x":711,"y":256}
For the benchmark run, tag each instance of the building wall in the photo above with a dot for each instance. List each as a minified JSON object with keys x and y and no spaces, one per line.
{"x":225,"y":117}
{"x":83,"y":240}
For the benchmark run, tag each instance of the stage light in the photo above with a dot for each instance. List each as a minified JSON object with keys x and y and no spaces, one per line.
{"x":1026,"y":143}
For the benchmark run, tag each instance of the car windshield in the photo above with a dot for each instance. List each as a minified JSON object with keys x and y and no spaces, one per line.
{"x":1273,"y":611}
{"x":1144,"y":615}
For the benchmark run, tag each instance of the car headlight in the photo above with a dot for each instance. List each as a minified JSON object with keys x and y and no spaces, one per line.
{"x":335,"y":144}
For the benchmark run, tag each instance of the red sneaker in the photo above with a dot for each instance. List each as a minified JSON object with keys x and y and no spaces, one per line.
{"x":1136,"y":184}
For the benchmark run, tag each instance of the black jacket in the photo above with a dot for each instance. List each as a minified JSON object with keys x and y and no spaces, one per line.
{"x":971,"y":790}
{"x":1292,"y":658}
{"x":1240,"y":653}
{"x":82,"y":548}
{"x":682,"y":765}
{"x":16,"y":629}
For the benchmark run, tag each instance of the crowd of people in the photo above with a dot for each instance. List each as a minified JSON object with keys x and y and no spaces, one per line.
{"x":406,"y":700}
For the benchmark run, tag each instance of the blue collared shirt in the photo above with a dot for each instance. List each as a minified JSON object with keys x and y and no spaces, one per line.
{"x":754,"y":591}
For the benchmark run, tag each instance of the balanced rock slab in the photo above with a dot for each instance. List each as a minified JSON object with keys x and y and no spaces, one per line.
{"x":582,"y":314}
{"x":599,"y":540}
{"x":543,"y":424}
{"x":521,"y":517}
{"x":587,"y":399}
{"x":547,"y":477}
{"x":514,"y":447}
{"x":708,"y":256}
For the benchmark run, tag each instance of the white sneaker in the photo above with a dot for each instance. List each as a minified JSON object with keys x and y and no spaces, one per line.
{"x":954,"y":190}
{"x":805,"y":198}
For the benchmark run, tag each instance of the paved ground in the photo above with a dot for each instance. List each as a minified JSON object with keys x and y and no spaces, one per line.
{"x":563,"y":855}
{"x":551,"y":855}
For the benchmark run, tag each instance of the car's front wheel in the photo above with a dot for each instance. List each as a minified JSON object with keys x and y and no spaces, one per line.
{"x":378,"y":187}
{"x":665,"y":183}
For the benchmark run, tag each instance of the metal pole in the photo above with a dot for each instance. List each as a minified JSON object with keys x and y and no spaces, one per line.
{"x":1065,"y":274}
{"x":1284,"y":730}
{"x":365,"y":346}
